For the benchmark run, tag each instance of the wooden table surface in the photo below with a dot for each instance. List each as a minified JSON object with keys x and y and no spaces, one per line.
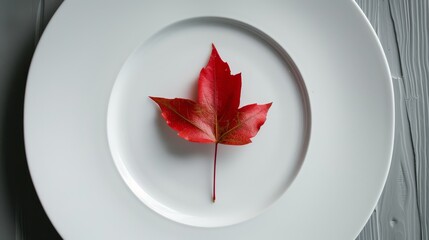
{"x":402,"y":211}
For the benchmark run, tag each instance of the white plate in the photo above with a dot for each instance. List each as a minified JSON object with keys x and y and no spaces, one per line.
{"x":106,"y":167}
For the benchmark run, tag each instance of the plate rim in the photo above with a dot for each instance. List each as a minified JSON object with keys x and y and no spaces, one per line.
{"x":26,"y":117}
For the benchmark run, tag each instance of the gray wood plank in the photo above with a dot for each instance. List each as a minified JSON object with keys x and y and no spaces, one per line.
{"x":411,"y":27}
{"x":21,"y":24}
{"x":401,"y":212}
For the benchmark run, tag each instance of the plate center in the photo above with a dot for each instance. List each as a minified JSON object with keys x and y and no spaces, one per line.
{"x":174,"y":177}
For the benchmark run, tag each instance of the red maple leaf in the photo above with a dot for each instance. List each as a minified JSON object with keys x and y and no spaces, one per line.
{"x":215,"y":117}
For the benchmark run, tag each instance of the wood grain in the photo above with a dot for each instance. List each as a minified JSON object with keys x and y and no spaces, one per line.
{"x":411,"y":25}
{"x":402,"y":27}
{"x":22,"y":23}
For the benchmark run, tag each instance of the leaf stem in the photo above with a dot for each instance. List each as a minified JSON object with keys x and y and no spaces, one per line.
{"x":214,"y":174}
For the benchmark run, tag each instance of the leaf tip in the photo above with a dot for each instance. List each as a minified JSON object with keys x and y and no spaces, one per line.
{"x":154,"y":98}
{"x":214,"y":50}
